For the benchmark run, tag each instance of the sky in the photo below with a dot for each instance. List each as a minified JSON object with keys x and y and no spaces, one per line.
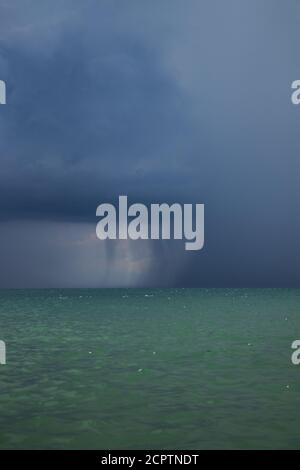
{"x":164,"y":101}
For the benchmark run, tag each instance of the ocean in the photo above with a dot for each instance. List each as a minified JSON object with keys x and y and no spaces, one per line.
{"x":149,"y":369}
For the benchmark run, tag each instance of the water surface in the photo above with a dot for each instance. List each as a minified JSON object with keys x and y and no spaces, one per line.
{"x":154,"y":369}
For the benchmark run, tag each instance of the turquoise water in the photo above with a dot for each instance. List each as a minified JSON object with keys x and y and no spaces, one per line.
{"x":154,"y":369}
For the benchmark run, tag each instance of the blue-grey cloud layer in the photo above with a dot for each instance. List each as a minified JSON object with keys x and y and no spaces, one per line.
{"x":163,"y":101}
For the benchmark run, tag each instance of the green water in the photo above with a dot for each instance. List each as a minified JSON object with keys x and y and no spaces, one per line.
{"x":154,"y":369}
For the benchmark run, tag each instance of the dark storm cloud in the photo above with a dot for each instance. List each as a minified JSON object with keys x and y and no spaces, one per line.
{"x":163,"y":101}
{"x":96,"y":115}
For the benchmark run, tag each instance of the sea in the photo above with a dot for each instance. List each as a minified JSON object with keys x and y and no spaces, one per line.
{"x":149,"y":369}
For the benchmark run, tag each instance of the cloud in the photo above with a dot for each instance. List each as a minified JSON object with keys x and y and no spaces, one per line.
{"x":98,"y":115}
{"x":164,"y":102}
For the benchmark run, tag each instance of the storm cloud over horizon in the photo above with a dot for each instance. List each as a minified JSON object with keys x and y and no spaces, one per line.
{"x":164,"y":102}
